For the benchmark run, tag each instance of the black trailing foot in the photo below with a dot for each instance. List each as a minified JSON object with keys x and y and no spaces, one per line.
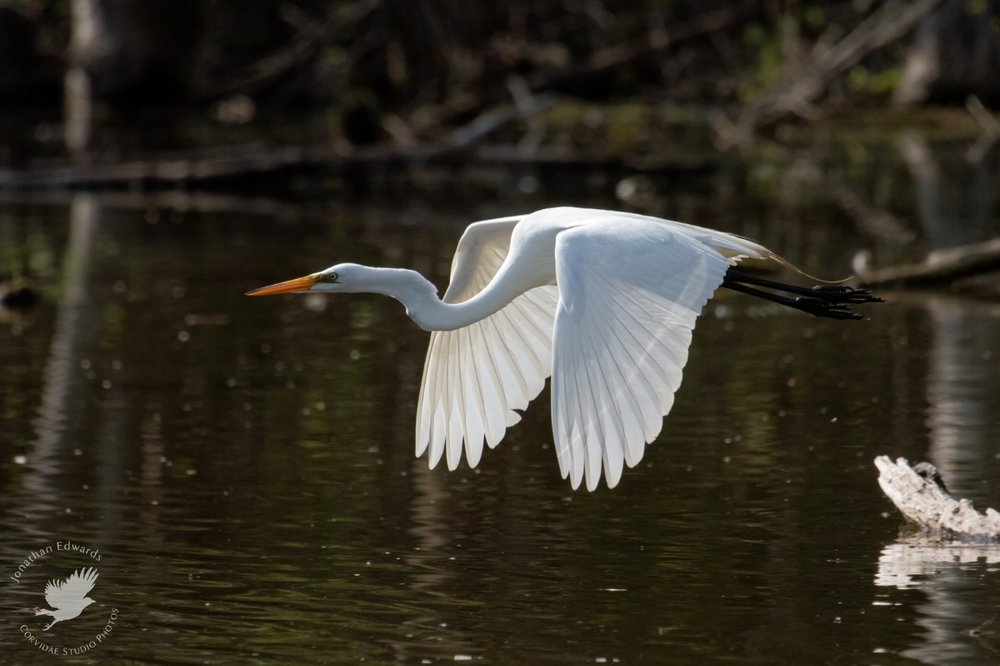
{"x":843,"y":294}
{"x":820,"y":301}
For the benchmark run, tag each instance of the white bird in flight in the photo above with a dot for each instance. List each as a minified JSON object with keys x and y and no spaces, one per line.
{"x":69,"y":597}
{"x":603,"y":301}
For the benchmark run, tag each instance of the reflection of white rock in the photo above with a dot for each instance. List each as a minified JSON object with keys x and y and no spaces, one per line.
{"x":956,"y":605}
{"x":900,"y":563}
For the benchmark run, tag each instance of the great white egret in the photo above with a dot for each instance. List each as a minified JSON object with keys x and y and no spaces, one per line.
{"x":603,"y":301}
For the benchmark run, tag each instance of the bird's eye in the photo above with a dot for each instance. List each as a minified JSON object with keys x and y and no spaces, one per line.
{"x":332,"y":277}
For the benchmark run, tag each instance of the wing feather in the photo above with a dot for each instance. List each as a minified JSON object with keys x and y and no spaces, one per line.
{"x":630,"y":294}
{"x":475,"y":428}
{"x":610,"y":428}
{"x":477,"y":377}
{"x":643,"y":422}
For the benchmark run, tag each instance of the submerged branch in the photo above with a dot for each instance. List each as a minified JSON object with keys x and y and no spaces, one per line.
{"x":921,"y":496}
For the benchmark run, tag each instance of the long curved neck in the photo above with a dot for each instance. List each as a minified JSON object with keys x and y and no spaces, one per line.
{"x":430,"y":313}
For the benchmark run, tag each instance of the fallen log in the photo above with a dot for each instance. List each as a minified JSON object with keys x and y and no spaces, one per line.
{"x":940,"y":267}
{"x":247,"y":161}
{"x":921,"y":496}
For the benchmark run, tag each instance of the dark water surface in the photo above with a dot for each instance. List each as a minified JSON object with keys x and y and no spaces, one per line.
{"x":244,"y":467}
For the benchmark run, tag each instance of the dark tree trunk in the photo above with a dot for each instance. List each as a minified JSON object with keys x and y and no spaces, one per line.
{"x":134,"y":50}
{"x":955,"y":53}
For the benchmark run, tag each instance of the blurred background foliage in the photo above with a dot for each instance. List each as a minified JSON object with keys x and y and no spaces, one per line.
{"x":789,"y":102}
{"x":395,"y":71}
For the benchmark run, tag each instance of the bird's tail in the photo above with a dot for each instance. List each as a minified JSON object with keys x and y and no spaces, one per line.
{"x":748,"y":249}
{"x":789,"y":265}
{"x":737,"y":248}
{"x":44,"y":611}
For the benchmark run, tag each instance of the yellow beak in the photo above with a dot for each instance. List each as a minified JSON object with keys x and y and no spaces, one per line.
{"x":295,"y":286}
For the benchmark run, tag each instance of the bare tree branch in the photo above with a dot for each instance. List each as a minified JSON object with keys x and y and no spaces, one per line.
{"x":800,"y":84}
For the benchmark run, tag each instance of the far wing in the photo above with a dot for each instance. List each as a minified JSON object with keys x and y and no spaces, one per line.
{"x":481,"y":249}
{"x":67,"y":593}
{"x":476,"y":377}
{"x":630,"y":293}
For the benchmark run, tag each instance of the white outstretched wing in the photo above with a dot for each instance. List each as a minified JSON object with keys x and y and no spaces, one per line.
{"x":477,"y":376}
{"x":629,"y":294}
{"x":69,"y":593}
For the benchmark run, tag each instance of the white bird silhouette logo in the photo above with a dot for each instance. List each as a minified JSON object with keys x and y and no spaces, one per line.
{"x":68,"y":597}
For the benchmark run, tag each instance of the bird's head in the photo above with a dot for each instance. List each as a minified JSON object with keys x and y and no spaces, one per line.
{"x":87,"y":601}
{"x":342,"y":278}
